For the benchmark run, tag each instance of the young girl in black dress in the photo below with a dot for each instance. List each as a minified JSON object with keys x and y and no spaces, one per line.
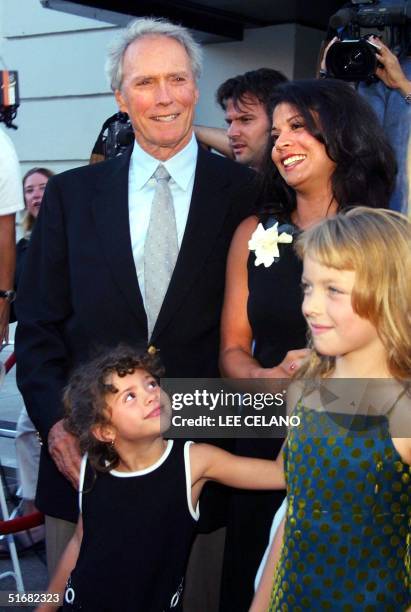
{"x":139,"y":493}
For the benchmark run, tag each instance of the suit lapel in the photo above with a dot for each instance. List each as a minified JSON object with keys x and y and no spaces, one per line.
{"x":110,"y":209}
{"x":206,"y":215}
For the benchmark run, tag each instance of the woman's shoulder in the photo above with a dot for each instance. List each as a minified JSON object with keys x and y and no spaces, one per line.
{"x":247,"y":226}
{"x":267,"y":217}
{"x":243,"y":234}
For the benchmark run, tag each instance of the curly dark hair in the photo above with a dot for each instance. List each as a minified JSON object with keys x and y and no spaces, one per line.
{"x":258,"y":83}
{"x":85,"y":398}
{"x":338,"y":117}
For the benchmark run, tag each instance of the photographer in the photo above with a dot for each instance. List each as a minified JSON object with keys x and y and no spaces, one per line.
{"x":390,"y":97}
{"x":380,"y":72}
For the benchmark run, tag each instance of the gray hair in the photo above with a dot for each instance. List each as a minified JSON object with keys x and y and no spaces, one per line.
{"x":139,"y":28}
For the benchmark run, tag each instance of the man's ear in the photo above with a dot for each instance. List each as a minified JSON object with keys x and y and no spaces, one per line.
{"x":103,"y":433}
{"x":120,"y":101}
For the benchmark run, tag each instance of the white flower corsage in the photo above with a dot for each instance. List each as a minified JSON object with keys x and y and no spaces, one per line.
{"x":264,"y":242}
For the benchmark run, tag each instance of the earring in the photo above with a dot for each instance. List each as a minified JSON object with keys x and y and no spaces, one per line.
{"x":111,"y":443}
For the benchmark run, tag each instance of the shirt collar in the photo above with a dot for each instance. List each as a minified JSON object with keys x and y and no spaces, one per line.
{"x":181,"y":166}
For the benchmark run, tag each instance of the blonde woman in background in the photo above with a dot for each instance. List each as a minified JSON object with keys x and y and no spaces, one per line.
{"x":27,"y":443}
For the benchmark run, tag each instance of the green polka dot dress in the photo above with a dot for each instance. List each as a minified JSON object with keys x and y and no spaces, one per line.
{"x":347,"y":533}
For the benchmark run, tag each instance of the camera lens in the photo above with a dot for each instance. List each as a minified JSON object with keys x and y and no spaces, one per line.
{"x":351,"y":60}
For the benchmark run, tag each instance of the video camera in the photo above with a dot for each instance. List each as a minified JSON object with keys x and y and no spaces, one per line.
{"x":9,"y":97}
{"x":115,"y":136}
{"x":119,"y":135}
{"x":353,"y":57}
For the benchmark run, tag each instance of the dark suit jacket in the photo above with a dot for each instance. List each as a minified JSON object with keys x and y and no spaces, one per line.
{"x":79,"y":289}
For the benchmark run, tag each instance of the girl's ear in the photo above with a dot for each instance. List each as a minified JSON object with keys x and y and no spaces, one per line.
{"x":103,"y":433}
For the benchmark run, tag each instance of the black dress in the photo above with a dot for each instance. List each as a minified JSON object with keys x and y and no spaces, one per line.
{"x":138,"y":531}
{"x":274,"y":312}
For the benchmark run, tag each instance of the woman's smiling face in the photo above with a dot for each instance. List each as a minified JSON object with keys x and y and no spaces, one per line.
{"x":33,"y":188}
{"x":299,"y":157}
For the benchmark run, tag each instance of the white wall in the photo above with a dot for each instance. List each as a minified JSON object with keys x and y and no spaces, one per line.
{"x":63,"y":91}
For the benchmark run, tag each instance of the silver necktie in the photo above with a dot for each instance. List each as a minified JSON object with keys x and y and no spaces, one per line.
{"x":160,"y":247}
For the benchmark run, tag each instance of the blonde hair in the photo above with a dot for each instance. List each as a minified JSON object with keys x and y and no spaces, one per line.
{"x":376,"y":244}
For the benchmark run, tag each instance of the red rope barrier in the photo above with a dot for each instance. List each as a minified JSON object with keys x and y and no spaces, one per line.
{"x":21,"y":523}
{"x":10,"y":362}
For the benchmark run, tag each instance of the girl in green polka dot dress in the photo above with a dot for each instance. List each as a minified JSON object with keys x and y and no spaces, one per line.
{"x":346,"y":543}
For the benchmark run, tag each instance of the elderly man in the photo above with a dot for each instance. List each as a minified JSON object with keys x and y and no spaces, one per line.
{"x":129,"y":250}
{"x":245,"y":100}
{"x":11,"y":201}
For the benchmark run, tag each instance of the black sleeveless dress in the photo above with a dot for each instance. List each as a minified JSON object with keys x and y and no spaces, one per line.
{"x":138,"y":531}
{"x":274,"y":312}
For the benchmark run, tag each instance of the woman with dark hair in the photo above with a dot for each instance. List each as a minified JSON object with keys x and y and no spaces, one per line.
{"x":338,"y":118}
{"x":329,"y":152}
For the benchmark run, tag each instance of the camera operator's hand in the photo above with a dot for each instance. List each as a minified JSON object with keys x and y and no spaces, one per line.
{"x":391,"y":73}
{"x":323,"y":67}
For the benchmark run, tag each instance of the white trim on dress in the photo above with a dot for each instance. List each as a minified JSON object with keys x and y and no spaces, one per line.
{"x":195,"y":513}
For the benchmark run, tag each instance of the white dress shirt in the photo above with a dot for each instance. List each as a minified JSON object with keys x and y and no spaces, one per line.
{"x":141,"y":187}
